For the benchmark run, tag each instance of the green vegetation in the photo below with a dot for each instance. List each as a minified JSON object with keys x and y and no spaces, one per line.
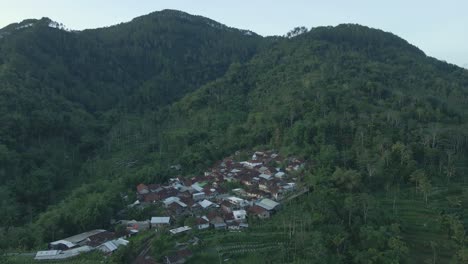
{"x":87,"y":115}
{"x":91,"y":258}
{"x":69,"y":104}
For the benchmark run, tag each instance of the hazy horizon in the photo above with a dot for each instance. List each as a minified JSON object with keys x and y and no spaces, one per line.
{"x":436,"y":28}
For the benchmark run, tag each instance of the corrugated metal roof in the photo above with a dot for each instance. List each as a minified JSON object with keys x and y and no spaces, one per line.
{"x":267,"y":204}
{"x":80,"y":237}
{"x":108,"y":247}
{"x":179,"y":230}
{"x":47,"y":253}
{"x":160,"y":220}
{"x":64,"y":242}
{"x":265,"y":176}
{"x":205,"y":203}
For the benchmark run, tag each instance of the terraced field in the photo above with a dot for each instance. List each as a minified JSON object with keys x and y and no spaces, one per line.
{"x":421,"y":228}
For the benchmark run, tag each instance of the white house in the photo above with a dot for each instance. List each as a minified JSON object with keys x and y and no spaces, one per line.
{"x":239,"y":215}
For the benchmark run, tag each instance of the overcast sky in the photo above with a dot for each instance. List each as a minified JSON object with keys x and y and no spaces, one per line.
{"x":439,"y":28}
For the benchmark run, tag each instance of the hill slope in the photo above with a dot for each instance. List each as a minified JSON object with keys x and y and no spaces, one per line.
{"x":373,"y":114}
{"x":61,"y":91}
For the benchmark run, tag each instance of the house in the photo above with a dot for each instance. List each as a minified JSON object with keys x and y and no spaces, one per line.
{"x":142,"y":189}
{"x":135,"y":225}
{"x":73,"y":241}
{"x":60,"y":245}
{"x":202,"y":222}
{"x":280,"y":175}
{"x":159,"y":221}
{"x":173,"y":199}
{"x":259,"y":212}
{"x":206,"y":204}
{"x":198,"y":196}
{"x":239,"y":215}
{"x":229,"y":218}
{"x":268,"y":204}
{"x":263,"y":185}
{"x":197,"y":187}
{"x":59,"y":254}
{"x":255,"y":193}
{"x":227,"y":206}
{"x":216,"y":221}
{"x":265,"y":176}
{"x":113,"y":245}
{"x":47,"y":255}
{"x":188,"y":200}
{"x":265,"y":170}
{"x":239,"y":202}
{"x":275,"y":192}
{"x":179,"y":230}
{"x":209,"y":192}
{"x":220,"y":226}
{"x":99,"y":238}
{"x":176,"y":209}
{"x":151,"y":197}
{"x":239,"y":191}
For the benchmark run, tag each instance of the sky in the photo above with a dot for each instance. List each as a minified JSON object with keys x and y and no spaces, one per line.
{"x":439,"y":28}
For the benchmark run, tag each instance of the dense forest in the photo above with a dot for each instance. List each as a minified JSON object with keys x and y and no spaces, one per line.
{"x":86,"y":115}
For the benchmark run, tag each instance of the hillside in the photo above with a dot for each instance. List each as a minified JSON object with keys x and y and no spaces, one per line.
{"x":62,"y":91}
{"x":93,"y":113}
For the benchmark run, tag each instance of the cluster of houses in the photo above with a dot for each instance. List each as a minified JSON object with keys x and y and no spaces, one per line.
{"x":222,"y":198}
{"x":261,"y":183}
{"x":98,"y":239}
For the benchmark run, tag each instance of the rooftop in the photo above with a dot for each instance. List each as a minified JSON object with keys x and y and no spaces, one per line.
{"x":78,"y":238}
{"x":180,"y":230}
{"x":267,"y":204}
{"x":160,"y":220}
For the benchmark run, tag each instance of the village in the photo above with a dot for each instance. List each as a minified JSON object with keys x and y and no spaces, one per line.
{"x":223,"y":198}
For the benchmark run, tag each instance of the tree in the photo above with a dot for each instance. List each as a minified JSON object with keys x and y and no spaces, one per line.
{"x":349,"y":180}
{"x":425,"y":187}
{"x":349,"y":205}
{"x":366,"y":202}
{"x":417,"y":176}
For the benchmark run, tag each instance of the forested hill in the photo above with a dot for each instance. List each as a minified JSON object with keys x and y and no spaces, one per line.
{"x":157,"y":58}
{"x":116,"y":106}
{"x":61,"y":91}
